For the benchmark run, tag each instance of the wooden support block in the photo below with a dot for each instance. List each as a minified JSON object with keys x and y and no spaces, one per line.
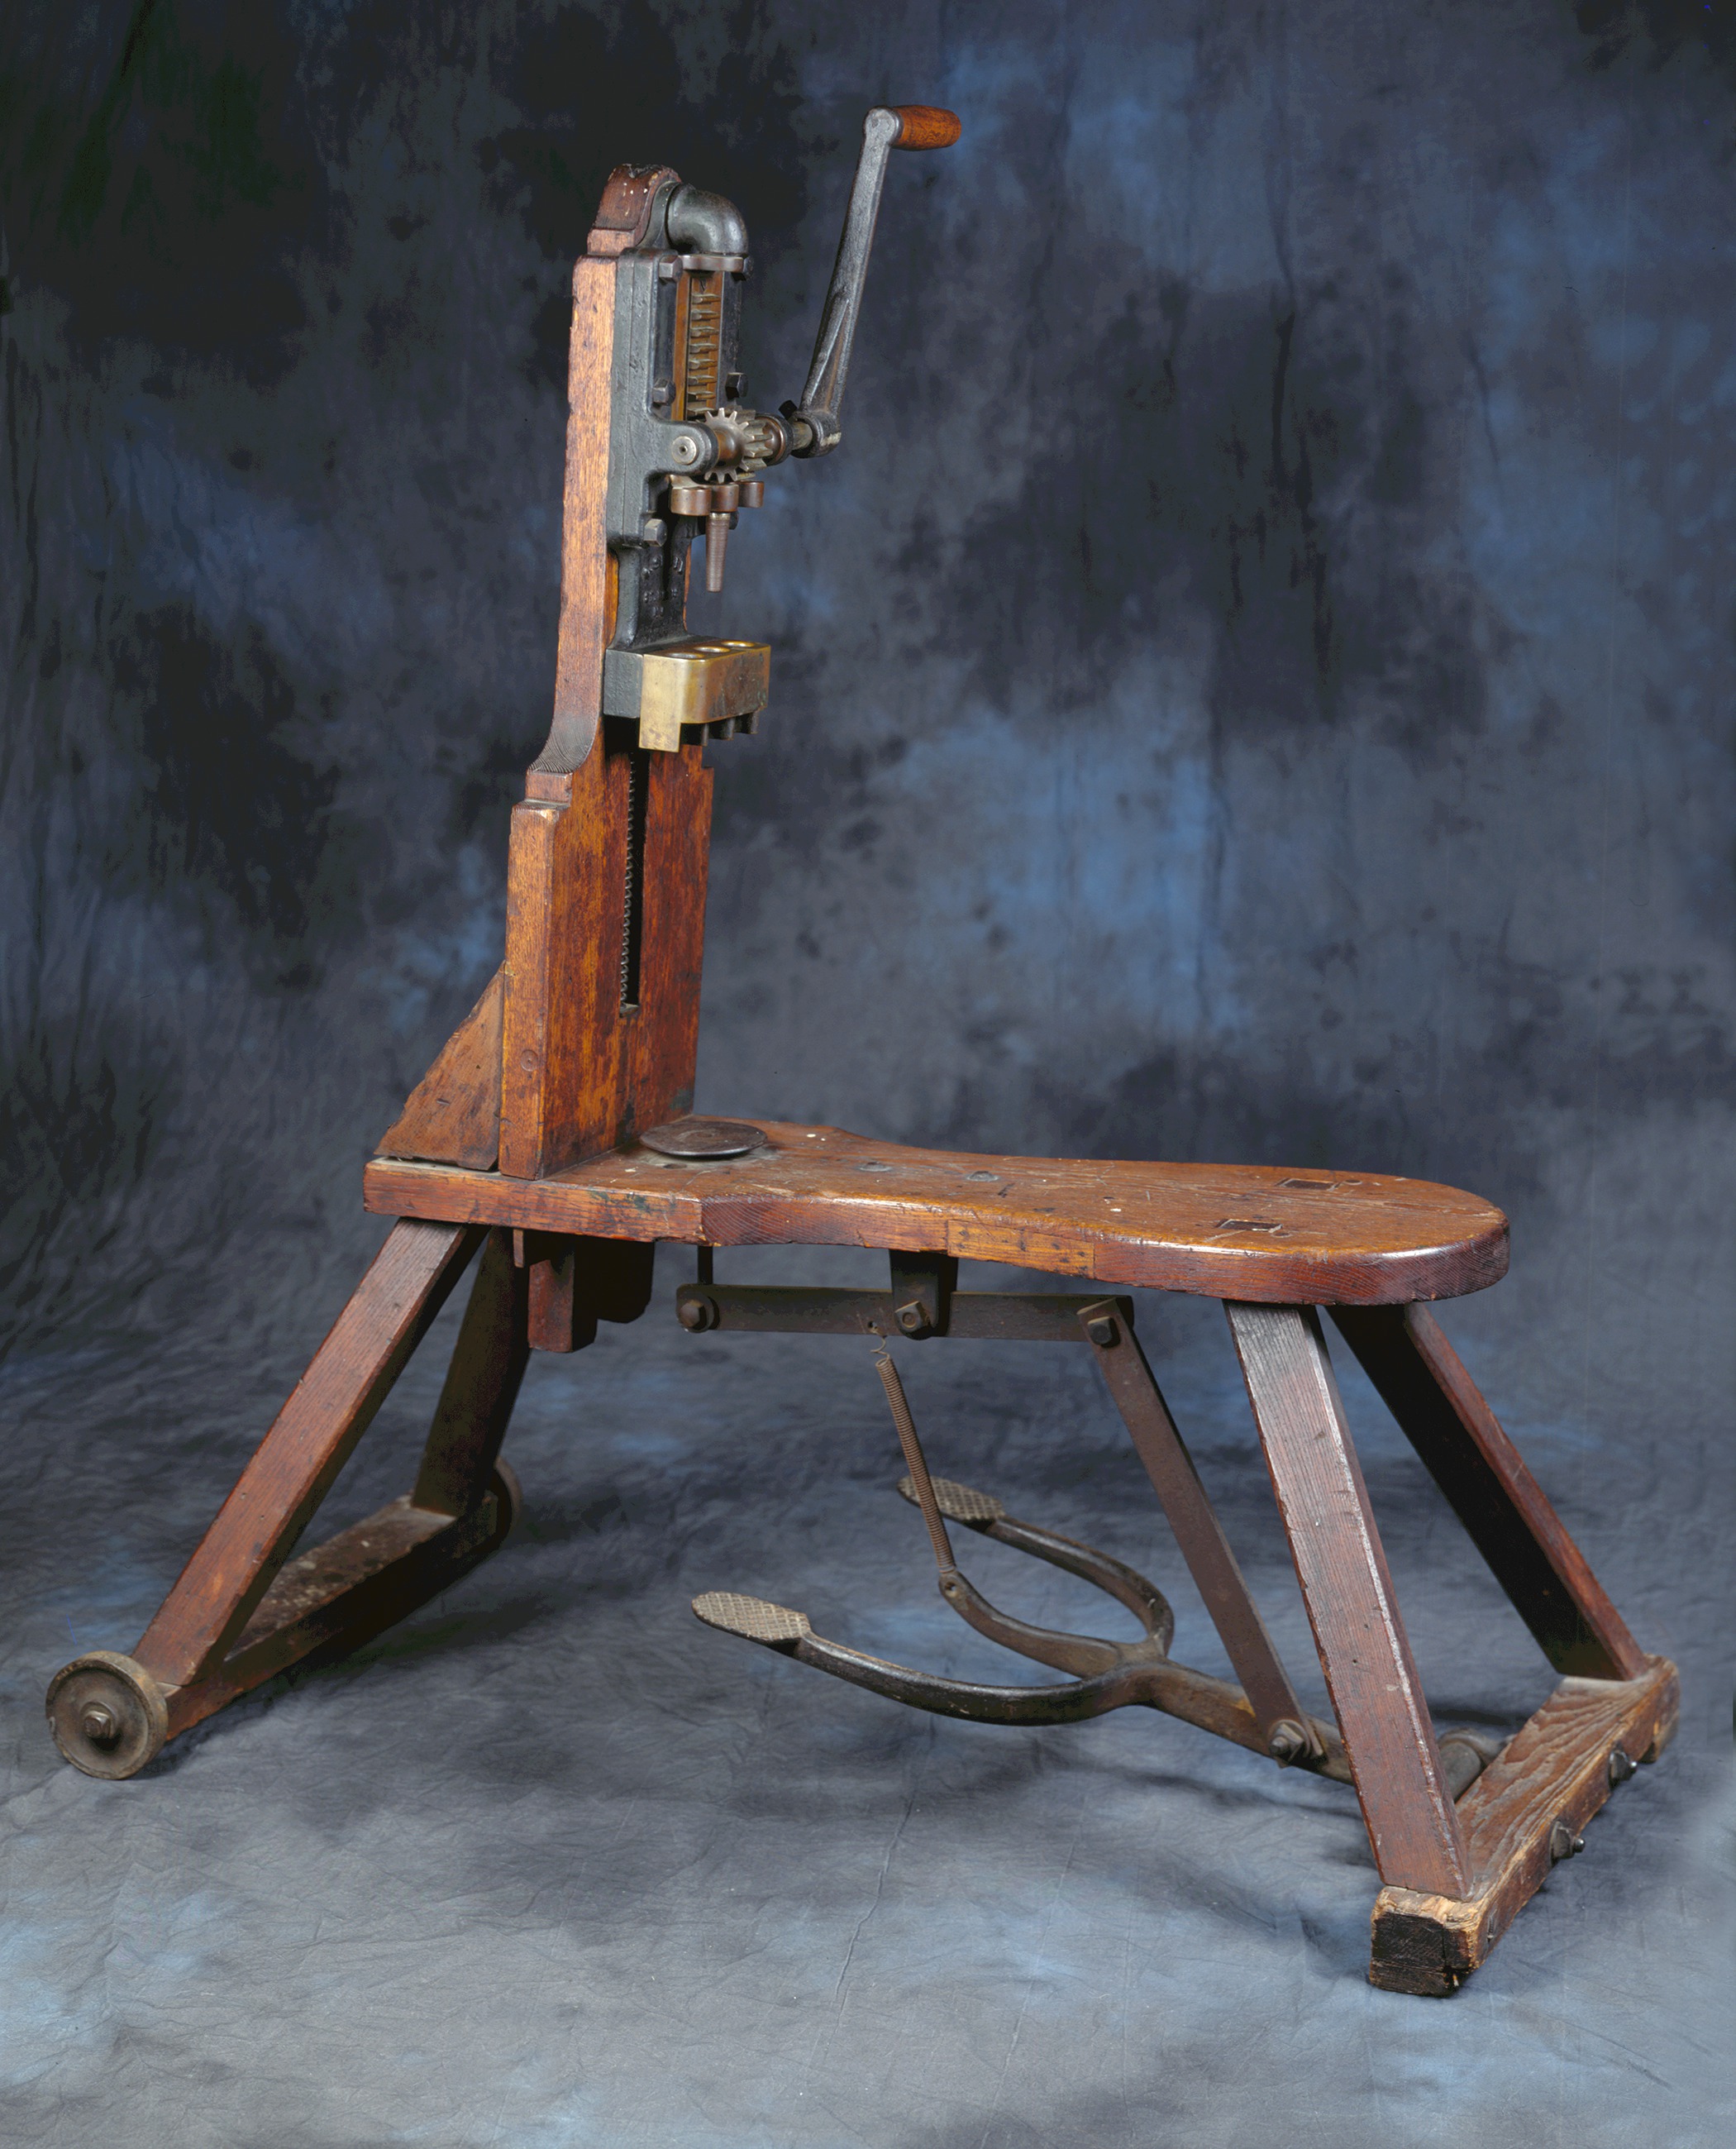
{"x":453,"y":1115}
{"x":605,"y":935}
{"x":574,"y":1282}
{"x":1554,"y":1774}
{"x":559,"y":1318}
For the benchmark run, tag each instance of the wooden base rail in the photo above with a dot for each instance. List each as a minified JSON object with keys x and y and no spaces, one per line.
{"x":1524,"y":1814}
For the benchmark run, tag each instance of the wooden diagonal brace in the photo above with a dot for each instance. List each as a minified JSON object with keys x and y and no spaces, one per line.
{"x":1501,"y":1505}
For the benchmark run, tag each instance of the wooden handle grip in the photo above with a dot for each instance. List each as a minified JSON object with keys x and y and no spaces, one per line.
{"x":926,"y":127}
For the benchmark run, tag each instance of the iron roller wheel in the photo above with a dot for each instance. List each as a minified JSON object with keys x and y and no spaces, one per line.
{"x":107,"y":1714}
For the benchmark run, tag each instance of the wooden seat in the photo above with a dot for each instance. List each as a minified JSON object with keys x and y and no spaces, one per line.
{"x":1254,"y":1232}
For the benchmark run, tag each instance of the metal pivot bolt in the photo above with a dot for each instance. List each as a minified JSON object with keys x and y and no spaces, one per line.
{"x":1622,"y":1766}
{"x":1564,"y":1842}
{"x":1289,"y":1740}
{"x":697,"y":1314}
{"x":912,"y":1317}
{"x":1103,"y":1332}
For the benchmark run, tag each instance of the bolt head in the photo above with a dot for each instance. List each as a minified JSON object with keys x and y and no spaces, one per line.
{"x":1622,"y":1766}
{"x":1565,"y":1841}
{"x":1287,"y":1743}
{"x":696,"y":1313}
{"x":1103,"y":1332}
{"x":912,"y":1317}
{"x":100,"y":1724}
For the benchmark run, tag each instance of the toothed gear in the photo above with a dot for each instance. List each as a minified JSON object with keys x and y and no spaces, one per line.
{"x":757,"y":435}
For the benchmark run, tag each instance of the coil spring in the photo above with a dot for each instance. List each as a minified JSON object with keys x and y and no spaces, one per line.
{"x":705,"y":330}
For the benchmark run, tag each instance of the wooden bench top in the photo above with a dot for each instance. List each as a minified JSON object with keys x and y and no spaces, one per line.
{"x":1241,"y":1231}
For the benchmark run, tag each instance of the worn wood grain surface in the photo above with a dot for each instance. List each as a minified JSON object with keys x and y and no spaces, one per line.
{"x":586,"y":615}
{"x":343,"y":1593}
{"x":1253,"y":1232}
{"x":1555,"y":1769}
{"x":453,"y":1115}
{"x":581,"y":1070}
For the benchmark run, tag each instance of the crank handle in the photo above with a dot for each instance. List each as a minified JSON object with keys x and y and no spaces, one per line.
{"x":814,"y":420}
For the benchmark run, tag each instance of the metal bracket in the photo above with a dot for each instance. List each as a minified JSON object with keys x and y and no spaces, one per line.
{"x":922,"y":1292}
{"x":980,"y":1316}
{"x":720,"y":684}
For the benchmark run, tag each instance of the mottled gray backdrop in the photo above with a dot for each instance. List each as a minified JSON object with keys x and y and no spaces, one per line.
{"x":1255,"y":684}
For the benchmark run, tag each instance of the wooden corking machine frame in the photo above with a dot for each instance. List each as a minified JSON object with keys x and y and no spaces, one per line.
{"x":554,"y":1138}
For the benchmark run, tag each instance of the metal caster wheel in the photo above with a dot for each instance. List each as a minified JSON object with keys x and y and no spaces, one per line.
{"x":107,"y":1714}
{"x":509,"y":1500}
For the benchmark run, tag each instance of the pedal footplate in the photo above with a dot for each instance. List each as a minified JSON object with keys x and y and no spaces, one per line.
{"x":958,"y":1503}
{"x":752,"y":1617}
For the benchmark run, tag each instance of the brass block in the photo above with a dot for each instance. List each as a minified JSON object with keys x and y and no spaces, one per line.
{"x":685,"y":682}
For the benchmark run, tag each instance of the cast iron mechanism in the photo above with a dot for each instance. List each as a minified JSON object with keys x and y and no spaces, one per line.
{"x":686,"y":453}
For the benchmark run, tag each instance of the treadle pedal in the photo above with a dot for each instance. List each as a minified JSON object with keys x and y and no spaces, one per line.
{"x":958,"y":1503}
{"x":752,"y":1617}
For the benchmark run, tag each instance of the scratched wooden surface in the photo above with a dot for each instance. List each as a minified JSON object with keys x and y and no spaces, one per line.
{"x":581,"y":1070}
{"x":1249,"y":1232}
{"x":586,"y":614}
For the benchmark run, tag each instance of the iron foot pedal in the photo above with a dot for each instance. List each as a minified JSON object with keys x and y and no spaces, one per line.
{"x":1108,"y":1675}
{"x":754,"y":1619}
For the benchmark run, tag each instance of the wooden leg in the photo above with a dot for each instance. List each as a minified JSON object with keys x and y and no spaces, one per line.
{"x":482,"y":1384}
{"x":1501,"y":1505}
{"x":242,"y":1609}
{"x":1387,"y":1732}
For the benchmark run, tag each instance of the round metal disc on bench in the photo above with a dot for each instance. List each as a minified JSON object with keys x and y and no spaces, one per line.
{"x":704,"y":1138}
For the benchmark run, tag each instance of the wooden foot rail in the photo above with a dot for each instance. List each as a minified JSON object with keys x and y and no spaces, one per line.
{"x":1523,"y":1815}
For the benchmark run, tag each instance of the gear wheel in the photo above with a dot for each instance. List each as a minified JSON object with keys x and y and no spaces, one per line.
{"x":759,"y":440}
